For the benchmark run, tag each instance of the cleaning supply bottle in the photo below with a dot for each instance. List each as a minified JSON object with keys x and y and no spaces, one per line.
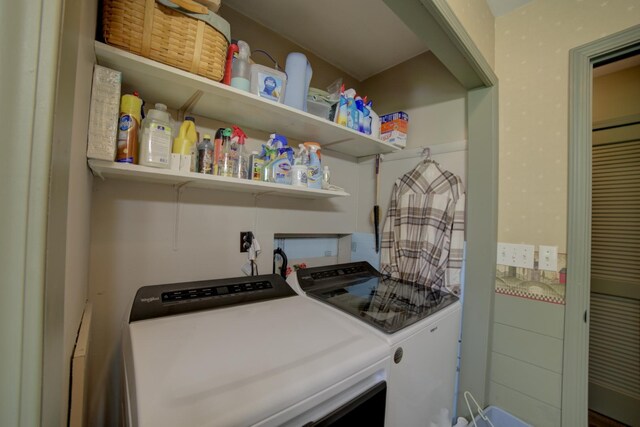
{"x":231,"y":54}
{"x":205,"y":155}
{"x":194,"y":145}
{"x":255,"y":168}
{"x":314,"y":171}
{"x":281,"y":168}
{"x":155,"y":138}
{"x":226,"y":163}
{"x":360,"y":107}
{"x":217,"y":150}
{"x":352,"y":110}
{"x":299,"y":168}
{"x":341,"y":109}
{"x":185,"y":145}
{"x":326,"y":177}
{"x":241,"y":69}
{"x":128,"y":127}
{"x":240,"y":165}
{"x":367,"y":116}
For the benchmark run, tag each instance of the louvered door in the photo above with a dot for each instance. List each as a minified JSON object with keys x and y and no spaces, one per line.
{"x":614,"y":348}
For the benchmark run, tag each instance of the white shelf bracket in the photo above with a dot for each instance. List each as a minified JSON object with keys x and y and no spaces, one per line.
{"x":189,"y":104}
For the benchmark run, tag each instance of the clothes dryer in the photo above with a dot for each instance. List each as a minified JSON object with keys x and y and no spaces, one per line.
{"x":420,"y":325}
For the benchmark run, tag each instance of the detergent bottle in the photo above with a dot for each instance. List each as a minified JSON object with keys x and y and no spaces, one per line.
{"x":155,"y":138}
{"x":185,"y":145}
{"x":241,"y":68}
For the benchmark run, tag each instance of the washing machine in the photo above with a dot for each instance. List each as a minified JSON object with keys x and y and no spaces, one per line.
{"x":248,"y":352}
{"x":420,"y":326}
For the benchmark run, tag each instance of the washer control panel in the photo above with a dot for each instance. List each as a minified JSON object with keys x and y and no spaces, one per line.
{"x":179,"y":298}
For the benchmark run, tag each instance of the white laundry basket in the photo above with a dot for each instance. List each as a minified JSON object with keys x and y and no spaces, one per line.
{"x":499,"y":418}
{"x":491,"y":416}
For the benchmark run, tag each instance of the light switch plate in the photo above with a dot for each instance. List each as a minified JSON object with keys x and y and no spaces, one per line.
{"x":548,"y":258}
{"x":515,"y":255}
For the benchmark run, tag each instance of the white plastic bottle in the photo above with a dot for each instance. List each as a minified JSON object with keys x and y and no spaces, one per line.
{"x":326,"y":177}
{"x":155,"y":138}
{"x":241,"y":69}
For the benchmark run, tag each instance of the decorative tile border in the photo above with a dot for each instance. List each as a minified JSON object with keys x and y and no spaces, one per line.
{"x":532,"y":283}
{"x":524,"y":293}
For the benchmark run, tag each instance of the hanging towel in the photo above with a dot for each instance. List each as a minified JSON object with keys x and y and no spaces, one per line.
{"x":423,"y":234}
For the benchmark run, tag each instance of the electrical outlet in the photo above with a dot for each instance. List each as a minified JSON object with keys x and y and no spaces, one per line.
{"x":515,"y":255}
{"x":548,"y":258}
{"x":246,"y":238}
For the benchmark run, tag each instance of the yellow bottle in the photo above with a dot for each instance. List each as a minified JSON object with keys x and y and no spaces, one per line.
{"x":186,"y":142}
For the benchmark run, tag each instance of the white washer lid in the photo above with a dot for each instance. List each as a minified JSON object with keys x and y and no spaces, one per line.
{"x":239,"y":365}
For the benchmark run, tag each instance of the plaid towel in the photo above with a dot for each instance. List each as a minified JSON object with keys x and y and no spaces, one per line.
{"x":423,"y":234}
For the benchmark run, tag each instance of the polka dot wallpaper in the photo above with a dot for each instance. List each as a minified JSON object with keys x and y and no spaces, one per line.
{"x":532,"y":46}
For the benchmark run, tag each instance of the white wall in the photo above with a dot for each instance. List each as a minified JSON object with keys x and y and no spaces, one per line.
{"x":132,"y":245}
{"x":424,"y":89}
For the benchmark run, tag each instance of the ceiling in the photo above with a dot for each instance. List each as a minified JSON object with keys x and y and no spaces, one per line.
{"x":362,"y":47}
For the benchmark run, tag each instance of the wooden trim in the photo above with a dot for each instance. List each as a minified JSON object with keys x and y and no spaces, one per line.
{"x":576,"y":344}
{"x":481,"y":250}
{"x":79,"y":375}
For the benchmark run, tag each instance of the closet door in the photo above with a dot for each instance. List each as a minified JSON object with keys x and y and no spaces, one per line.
{"x":614,"y":341}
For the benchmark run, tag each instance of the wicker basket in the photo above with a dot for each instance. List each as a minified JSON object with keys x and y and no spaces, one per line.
{"x":147,"y":28}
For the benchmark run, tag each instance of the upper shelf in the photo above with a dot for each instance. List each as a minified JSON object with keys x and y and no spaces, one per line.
{"x":176,"y":88}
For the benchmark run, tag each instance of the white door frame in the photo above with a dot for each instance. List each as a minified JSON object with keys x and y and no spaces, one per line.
{"x":29,"y":35}
{"x":576,"y":325}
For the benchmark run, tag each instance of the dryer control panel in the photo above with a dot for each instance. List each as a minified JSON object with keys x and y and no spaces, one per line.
{"x":179,"y":298}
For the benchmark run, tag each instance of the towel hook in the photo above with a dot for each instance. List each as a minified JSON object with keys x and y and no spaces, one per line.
{"x":426,"y":153}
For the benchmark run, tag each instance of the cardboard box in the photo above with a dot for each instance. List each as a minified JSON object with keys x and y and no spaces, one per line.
{"x":394,"y":128}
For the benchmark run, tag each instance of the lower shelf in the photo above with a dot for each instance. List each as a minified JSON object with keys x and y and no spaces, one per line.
{"x":106,"y":169}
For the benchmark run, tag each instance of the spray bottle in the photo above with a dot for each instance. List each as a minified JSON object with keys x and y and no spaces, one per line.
{"x":341,"y":109}
{"x":226,"y":162}
{"x":314,"y":171}
{"x":352,"y":109}
{"x":299,"y":168}
{"x":237,"y":144}
{"x":241,"y":69}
